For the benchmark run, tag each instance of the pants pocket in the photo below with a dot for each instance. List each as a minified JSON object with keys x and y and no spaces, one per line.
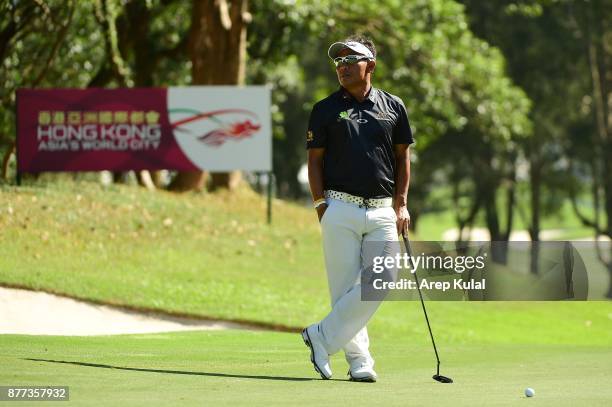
{"x":326,"y":213}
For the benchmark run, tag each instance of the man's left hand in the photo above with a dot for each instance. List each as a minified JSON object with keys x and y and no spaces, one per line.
{"x":403,"y":218}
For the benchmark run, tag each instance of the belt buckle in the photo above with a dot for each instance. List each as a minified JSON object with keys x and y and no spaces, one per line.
{"x":366,"y":204}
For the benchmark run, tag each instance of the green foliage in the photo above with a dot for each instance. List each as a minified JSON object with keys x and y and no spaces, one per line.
{"x":428,"y":55}
{"x":153,"y":38}
{"x":456,"y":86}
{"x":545,"y":48}
{"x":50,"y":44}
{"x":448,"y":78}
{"x":65,"y":44}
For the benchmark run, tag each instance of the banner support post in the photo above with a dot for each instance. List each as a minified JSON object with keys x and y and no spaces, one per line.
{"x":270,"y":178}
{"x":17,"y":172}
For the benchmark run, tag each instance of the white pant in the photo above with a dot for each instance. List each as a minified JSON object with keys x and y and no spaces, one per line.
{"x":349,"y":234}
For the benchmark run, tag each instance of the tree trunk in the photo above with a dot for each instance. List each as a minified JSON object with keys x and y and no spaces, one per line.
{"x":145,"y":180}
{"x":535,"y":175}
{"x":217,"y":49}
{"x":187,"y":181}
{"x":488,"y":187}
{"x":609,"y":293}
{"x":491,"y":217}
{"x":6,"y":159}
{"x":229,"y":180}
{"x":600,"y":64}
{"x":136,"y":25}
{"x":120,"y":177}
{"x":498,"y":245}
{"x":510,"y":202}
{"x":156,"y":177}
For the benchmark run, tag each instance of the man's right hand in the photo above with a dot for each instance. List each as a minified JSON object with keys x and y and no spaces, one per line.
{"x":321,"y":210}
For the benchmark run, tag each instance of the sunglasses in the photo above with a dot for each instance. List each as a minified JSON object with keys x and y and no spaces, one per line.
{"x":349,"y":60}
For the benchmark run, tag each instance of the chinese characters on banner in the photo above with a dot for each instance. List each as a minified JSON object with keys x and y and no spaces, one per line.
{"x":217,"y":128}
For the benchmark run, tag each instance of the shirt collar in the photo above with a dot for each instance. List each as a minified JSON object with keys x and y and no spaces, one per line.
{"x":371,"y":96}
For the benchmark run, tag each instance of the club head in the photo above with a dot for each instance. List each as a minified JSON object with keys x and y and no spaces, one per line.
{"x":442,"y":379}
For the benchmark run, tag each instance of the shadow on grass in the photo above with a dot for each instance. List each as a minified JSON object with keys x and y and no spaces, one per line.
{"x":136,"y":369}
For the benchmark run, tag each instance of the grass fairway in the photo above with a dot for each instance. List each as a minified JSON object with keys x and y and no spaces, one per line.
{"x":208,"y":255}
{"x":201,"y":254}
{"x":212,"y":255}
{"x":264,"y":368}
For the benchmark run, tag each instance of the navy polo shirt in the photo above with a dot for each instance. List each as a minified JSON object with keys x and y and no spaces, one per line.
{"x":359,"y":141}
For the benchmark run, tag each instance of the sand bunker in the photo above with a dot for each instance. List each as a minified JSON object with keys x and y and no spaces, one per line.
{"x":38,"y":313}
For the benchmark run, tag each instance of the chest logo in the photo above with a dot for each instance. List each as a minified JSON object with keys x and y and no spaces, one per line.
{"x":345,"y":116}
{"x":309,"y":136}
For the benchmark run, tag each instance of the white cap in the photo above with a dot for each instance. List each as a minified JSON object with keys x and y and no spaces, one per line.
{"x":358,"y":47}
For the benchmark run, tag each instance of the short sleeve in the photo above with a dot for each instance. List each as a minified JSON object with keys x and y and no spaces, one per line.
{"x":316,"y":136}
{"x":402,"y":134}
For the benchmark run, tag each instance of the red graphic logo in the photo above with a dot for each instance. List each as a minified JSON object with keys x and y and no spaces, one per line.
{"x":216,"y":127}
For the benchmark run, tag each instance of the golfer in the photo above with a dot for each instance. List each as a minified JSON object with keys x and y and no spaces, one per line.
{"x":358,"y":168}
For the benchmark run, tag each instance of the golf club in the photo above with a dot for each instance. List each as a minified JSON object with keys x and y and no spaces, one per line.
{"x":438,"y":377}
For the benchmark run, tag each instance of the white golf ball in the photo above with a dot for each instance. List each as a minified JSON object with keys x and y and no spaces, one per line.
{"x":529,"y":392}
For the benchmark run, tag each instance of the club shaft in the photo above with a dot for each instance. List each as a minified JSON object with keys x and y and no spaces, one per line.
{"x":409,"y":252}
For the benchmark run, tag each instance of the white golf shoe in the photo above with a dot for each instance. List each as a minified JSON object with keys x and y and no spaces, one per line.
{"x":362,"y":372}
{"x":318,"y":353}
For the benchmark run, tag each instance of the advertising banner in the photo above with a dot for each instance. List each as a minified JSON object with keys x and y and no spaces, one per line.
{"x":215,"y":128}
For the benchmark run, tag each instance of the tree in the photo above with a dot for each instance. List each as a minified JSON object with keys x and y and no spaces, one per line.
{"x":457,"y":91}
{"x":563,"y":62}
{"x":144,"y":46}
{"x":217,"y":50}
{"x":539,"y":51}
{"x":40,"y":45}
{"x":591,"y":21}
{"x":426,"y":57}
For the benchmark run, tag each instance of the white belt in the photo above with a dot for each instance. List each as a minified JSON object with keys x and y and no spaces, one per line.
{"x":357,"y":200}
